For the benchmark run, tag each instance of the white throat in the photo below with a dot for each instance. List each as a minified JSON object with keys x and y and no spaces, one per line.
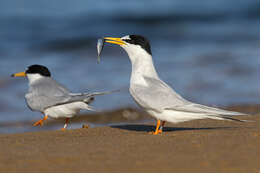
{"x":142,"y":64}
{"x":34,"y":77}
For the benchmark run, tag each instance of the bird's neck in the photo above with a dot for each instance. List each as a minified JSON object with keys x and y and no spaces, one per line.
{"x":142,"y":66}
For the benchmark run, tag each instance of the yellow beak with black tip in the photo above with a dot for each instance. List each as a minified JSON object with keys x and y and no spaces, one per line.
{"x":21,"y":74}
{"x":113,"y":40}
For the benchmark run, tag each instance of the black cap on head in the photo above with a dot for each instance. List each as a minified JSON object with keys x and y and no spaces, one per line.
{"x":38,"y":69}
{"x":139,"y":40}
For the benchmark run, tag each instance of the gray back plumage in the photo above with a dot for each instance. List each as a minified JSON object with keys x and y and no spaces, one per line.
{"x":158,"y":96}
{"x":44,"y":93}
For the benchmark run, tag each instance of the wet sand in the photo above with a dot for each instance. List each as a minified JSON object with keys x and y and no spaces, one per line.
{"x":195,"y":146}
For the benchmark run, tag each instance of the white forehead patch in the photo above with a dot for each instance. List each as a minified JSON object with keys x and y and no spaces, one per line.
{"x":34,"y":77}
{"x":125,"y":37}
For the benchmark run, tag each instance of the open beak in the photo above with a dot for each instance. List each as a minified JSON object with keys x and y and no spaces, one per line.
{"x":114,"y":40}
{"x":21,"y":74}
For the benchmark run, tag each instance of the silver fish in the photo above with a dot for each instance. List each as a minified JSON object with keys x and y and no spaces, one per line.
{"x":100,"y":45}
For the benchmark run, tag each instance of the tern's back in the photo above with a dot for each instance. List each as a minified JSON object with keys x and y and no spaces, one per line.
{"x":45,"y":92}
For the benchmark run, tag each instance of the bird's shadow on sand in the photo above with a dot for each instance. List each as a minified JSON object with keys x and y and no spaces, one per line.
{"x":148,"y":128}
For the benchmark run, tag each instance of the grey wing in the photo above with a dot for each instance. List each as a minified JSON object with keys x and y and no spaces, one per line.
{"x":157,"y":95}
{"x":46,"y":93}
{"x":197,"y":108}
{"x":39,"y":102}
{"x":85,"y":97}
{"x":184,"y":105}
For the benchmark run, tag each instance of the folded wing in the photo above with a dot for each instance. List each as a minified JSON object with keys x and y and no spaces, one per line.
{"x":158,"y":96}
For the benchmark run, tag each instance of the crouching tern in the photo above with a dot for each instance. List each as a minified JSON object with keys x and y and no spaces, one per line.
{"x":155,"y":96}
{"x":52,"y":99}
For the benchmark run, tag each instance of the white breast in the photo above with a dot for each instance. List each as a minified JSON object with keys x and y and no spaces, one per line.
{"x":65,"y":111}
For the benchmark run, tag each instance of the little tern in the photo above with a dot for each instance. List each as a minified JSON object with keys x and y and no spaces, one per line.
{"x":52,"y":99}
{"x":154,"y":95}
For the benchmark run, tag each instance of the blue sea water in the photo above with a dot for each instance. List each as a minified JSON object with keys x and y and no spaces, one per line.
{"x":208,"y":51}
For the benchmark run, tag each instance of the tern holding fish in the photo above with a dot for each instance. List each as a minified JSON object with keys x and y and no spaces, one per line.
{"x":154,"y":95}
{"x":51,"y":98}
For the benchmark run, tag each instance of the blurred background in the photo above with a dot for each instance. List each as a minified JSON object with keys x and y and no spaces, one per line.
{"x":208,"y":51}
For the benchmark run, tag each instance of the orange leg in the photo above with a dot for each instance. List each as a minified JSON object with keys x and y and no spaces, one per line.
{"x":161,"y":127}
{"x":65,"y":125}
{"x":40,"y":122}
{"x":156,"y":132}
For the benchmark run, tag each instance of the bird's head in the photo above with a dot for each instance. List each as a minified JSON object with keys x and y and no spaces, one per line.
{"x":134,"y":45}
{"x":34,"y":72}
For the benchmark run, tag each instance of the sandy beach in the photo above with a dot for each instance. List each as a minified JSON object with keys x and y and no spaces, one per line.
{"x":207,"y":52}
{"x":196,"y":146}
